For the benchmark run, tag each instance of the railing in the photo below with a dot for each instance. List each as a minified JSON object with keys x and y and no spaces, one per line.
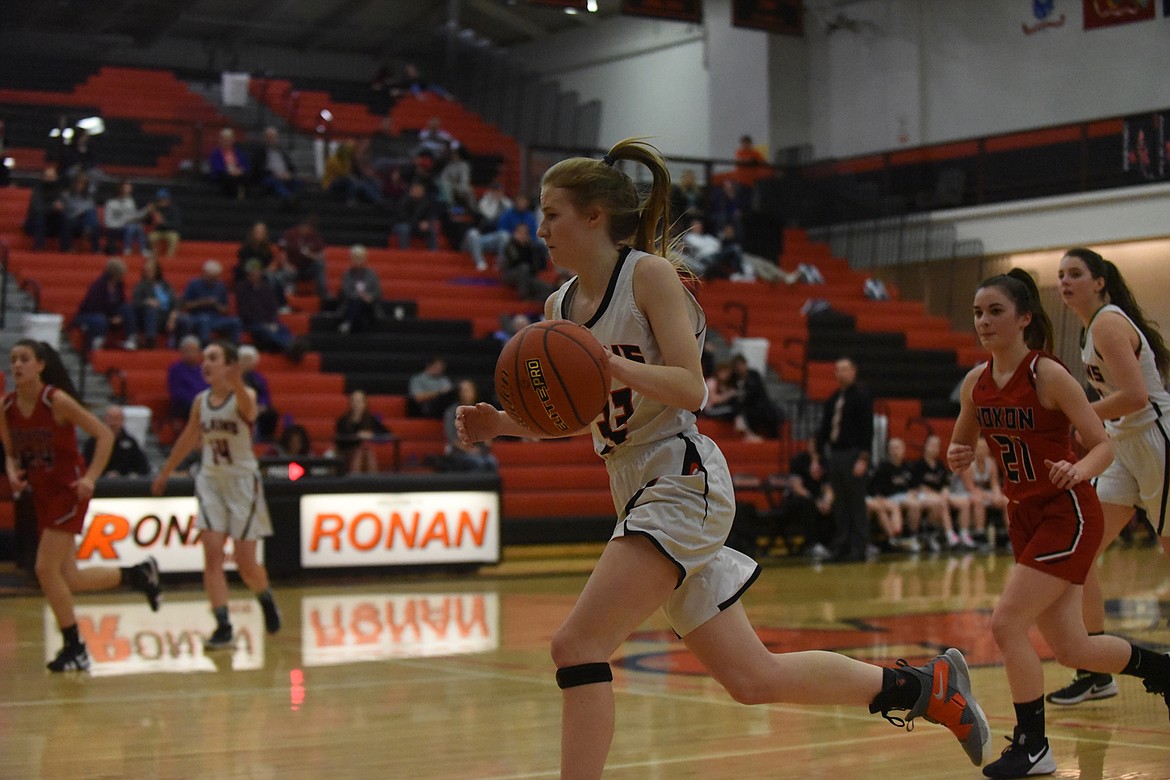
{"x":118,"y":384}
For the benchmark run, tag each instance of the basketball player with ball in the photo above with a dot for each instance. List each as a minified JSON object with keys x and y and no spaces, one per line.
{"x":671,"y":486}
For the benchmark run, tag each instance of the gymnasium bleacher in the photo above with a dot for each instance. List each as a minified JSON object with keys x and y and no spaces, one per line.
{"x":441,"y":304}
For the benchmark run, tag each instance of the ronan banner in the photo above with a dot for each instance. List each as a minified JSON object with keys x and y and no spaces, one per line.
{"x":390,"y":529}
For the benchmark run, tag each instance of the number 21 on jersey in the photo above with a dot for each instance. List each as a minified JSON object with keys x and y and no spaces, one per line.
{"x":1016,"y":458}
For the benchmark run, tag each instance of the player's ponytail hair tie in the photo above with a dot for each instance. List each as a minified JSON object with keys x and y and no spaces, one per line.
{"x":608,"y":160}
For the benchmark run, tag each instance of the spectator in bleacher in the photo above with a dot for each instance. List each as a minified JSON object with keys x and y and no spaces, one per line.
{"x":387,"y":150}
{"x":123,"y":219}
{"x":258,"y":245}
{"x":380,"y":99}
{"x":932,"y":478}
{"x":417,"y":214}
{"x":204,"y":307}
{"x":79,"y":217}
{"x":266,"y":416}
{"x":78,"y":157}
{"x":522,"y":264}
{"x":458,"y":456}
{"x":394,"y":184}
{"x":356,"y":431}
{"x":510,"y":325}
{"x":430,"y":391}
{"x":484,"y":235}
{"x":46,"y":210}
{"x":709,"y":256}
{"x":687,"y":199}
{"x":521,"y":211}
{"x":412,"y":83}
{"x":105,"y":307}
{"x":227,"y":165}
{"x":747,"y":155}
{"x":360,"y":295}
{"x":760,"y":413}
{"x":185,"y":378}
{"x":891,"y":498}
{"x":166,"y":223}
{"x":729,"y":207}
{"x":127,"y":458}
{"x":808,"y":502}
{"x":492,"y":204}
{"x":259,"y":313}
{"x":345,"y":178}
{"x":455,"y":188}
{"x":304,"y":252}
{"x":722,"y":394}
{"x":294,"y":441}
{"x":436,"y":142}
{"x":155,"y":305}
{"x":844,"y":441}
{"x":273,"y":170}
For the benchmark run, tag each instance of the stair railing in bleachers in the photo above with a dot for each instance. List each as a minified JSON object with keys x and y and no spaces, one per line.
{"x":118,"y":384}
{"x":801,"y":365}
{"x":33,"y":288}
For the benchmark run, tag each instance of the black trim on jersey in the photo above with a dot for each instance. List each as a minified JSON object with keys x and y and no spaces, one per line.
{"x":638,"y":494}
{"x":613,"y":280}
{"x":1072,"y":548}
{"x":230,"y":395}
{"x":693,"y":462}
{"x":682,"y":572}
{"x":1160,"y":526}
{"x":743,"y":589}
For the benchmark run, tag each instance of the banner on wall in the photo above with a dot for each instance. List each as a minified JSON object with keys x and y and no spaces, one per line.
{"x":1108,"y":13}
{"x":1046,"y":16}
{"x":1145,"y":147}
{"x":785,"y":17}
{"x":678,"y":10}
{"x":388,"y":529}
{"x":123,"y":531}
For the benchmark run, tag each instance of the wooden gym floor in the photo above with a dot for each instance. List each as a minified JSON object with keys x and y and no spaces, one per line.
{"x":438,"y":677}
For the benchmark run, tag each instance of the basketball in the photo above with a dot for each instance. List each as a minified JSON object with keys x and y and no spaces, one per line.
{"x":552,"y":377}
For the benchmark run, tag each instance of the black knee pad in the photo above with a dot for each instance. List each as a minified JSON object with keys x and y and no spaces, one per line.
{"x":584,"y":674}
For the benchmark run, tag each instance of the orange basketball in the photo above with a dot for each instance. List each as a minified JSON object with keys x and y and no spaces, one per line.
{"x":552,"y":377}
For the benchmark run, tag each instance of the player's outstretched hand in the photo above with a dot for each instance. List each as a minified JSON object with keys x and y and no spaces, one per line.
{"x":477,"y":423}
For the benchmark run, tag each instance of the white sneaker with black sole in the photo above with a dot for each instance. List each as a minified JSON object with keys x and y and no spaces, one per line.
{"x":1021,"y":759}
{"x":1085,"y":686}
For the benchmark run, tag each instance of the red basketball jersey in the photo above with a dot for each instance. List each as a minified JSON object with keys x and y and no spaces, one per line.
{"x":46,"y":450}
{"x":1022,"y":434}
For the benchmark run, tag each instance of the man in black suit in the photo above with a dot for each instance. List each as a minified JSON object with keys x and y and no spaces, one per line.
{"x":845,"y":438}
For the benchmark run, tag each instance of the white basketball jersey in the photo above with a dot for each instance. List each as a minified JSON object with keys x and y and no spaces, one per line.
{"x":1099,"y":377}
{"x":630,"y":418}
{"x":227,"y":437}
